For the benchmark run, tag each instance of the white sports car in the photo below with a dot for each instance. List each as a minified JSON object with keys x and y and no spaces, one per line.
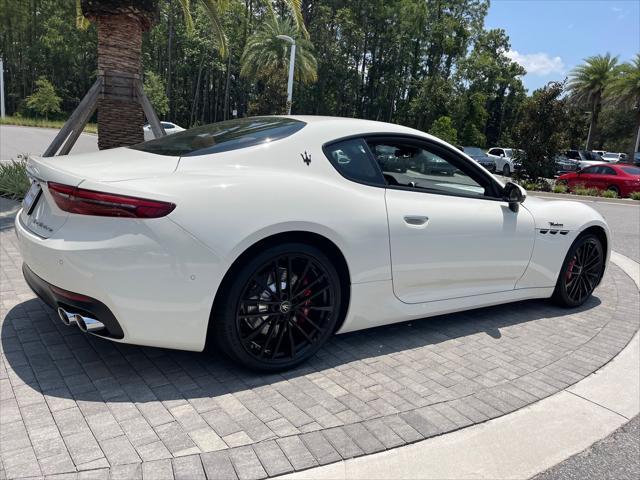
{"x":265,"y":236}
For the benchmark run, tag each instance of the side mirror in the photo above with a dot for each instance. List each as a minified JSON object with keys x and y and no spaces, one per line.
{"x":514,"y":194}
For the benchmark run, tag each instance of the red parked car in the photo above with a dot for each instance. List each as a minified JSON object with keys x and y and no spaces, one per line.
{"x":620,"y":178}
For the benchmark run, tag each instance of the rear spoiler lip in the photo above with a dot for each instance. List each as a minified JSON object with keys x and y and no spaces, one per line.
{"x":38,"y":169}
{"x":32,"y":169}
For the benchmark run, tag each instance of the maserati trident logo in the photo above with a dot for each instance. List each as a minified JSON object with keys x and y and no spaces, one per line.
{"x":306,"y":157}
{"x":556,"y":225}
{"x":285,"y":307}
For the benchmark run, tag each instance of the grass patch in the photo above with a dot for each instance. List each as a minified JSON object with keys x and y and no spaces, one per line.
{"x":609,"y":194}
{"x":41,"y":123}
{"x":14,"y":182}
{"x":635,"y":195}
{"x":589,"y":192}
{"x":560,"y":188}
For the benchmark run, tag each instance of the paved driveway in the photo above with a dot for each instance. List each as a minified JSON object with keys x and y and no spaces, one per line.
{"x":15,"y":140}
{"x":76,"y":403}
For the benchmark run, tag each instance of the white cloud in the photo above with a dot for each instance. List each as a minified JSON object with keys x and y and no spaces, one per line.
{"x":537,"y":63}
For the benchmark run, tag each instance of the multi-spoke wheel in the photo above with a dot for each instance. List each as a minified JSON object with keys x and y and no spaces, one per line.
{"x":280,"y":307}
{"x":581,"y":272}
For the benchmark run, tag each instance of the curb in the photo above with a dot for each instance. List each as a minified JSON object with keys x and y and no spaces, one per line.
{"x":520,"y":444}
{"x":585,"y":198}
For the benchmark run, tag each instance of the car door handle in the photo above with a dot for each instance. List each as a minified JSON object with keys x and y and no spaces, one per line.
{"x":416,"y":220}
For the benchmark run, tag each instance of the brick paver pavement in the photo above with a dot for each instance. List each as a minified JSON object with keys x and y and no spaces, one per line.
{"x":81,"y":407}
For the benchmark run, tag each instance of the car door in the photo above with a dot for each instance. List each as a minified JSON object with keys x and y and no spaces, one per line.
{"x":497,"y":155}
{"x":450,"y":236}
{"x":607,"y":178}
{"x":588,"y":177}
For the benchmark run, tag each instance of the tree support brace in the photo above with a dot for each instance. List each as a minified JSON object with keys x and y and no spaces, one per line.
{"x":109,"y":85}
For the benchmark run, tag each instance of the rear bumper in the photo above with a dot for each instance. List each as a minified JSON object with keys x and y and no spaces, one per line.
{"x":148,"y":281}
{"x":52,"y":296}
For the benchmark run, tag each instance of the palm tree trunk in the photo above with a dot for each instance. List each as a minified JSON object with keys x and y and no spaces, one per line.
{"x":120,"y":24}
{"x":595,"y":113}
{"x":119,"y":46}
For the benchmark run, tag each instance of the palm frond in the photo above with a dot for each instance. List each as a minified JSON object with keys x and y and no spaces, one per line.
{"x":295,"y":6}
{"x":82,"y":22}
{"x":213,"y":10}
{"x":185,"y":5}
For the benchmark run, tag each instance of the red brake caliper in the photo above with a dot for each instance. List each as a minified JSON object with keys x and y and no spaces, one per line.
{"x":569,"y":273}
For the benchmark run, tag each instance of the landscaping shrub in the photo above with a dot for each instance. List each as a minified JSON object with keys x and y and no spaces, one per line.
{"x":635,"y":195}
{"x":14,"y":182}
{"x":560,"y":188}
{"x":609,"y":194}
{"x":582,"y":190}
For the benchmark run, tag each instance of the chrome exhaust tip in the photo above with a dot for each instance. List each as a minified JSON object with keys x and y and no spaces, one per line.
{"x":86,"y":324}
{"x":64,"y":316}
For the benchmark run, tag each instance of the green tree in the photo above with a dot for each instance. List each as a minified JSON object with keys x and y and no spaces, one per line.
{"x":623,"y":90}
{"x":44,"y":100}
{"x":587,"y":83}
{"x":471,"y":119}
{"x":539,"y":133}
{"x":266,"y":57}
{"x":155,"y":89}
{"x":443,"y":129}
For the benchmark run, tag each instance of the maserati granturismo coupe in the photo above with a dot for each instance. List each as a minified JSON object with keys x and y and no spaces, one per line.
{"x":264,"y":236}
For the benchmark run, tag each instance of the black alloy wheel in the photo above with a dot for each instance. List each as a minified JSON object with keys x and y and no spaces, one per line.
{"x":581,"y":272}
{"x":283,"y":305}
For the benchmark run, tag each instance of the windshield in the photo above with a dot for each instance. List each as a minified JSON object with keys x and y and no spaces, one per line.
{"x":473,"y":151}
{"x":222,"y":136}
{"x":610,"y":155}
{"x":632,"y":170}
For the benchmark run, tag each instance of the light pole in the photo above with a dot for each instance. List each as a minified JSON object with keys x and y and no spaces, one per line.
{"x":292,"y":61}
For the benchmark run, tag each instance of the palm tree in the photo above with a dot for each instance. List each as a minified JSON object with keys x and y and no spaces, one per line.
{"x":624,"y":90}
{"x":587,"y":83}
{"x":120,"y":24}
{"x":266,"y":58}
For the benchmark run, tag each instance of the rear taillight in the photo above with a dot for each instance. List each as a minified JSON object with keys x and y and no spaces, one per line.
{"x":89,"y":202}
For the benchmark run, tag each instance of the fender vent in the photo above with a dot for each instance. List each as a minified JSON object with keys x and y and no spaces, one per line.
{"x":553,"y":231}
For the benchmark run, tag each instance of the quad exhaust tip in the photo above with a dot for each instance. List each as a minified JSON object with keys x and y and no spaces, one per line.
{"x":86,"y":324}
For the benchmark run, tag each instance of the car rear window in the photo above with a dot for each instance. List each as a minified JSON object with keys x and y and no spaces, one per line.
{"x":222,"y":136}
{"x":631,"y":170}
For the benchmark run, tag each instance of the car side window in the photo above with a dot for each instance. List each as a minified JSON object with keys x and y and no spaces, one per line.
{"x":607,"y":170}
{"x":590,"y":170}
{"x":494,"y":151}
{"x":415,"y":166}
{"x":352,"y":159}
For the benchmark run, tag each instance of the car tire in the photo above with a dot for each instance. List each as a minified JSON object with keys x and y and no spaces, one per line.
{"x":506,"y":170}
{"x":613,"y":188}
{"x":271,"y":325}
{"x":581,"y":272}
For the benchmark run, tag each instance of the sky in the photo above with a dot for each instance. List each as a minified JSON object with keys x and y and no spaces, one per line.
{"x":550,"y":37}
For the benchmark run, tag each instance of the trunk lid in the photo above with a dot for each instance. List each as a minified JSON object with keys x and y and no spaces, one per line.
{"x":118,"y":164}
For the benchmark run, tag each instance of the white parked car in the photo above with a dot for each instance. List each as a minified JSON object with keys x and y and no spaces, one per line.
{"x":613,"y":157}
{"x":169,"y":128}
{"x":267,"y":235}
{"x":504,"y":158}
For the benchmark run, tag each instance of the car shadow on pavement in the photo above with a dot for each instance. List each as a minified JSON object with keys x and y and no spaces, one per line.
{"x":61,"y":361}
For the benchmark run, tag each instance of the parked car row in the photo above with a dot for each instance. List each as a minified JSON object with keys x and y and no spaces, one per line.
{"x":478,"y":155}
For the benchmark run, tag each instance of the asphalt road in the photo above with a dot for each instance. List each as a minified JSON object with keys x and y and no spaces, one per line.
{"x":616,"y":457}
{"x":15,"y":140}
